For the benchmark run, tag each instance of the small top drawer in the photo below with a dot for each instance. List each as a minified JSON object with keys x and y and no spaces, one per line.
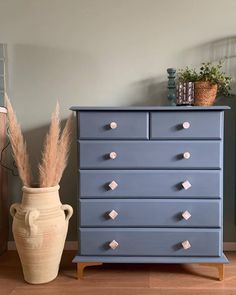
{"x":113,"y":125}
{"x":186,"y":125}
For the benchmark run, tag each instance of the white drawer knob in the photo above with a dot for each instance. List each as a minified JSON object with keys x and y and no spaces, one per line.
{"x":186,"y":155}
{"x":113,"y":214}
{"x":186,"y":245}
{"x":186,"y":125}
{"x":113,"y":185}
{"x":113,"y":244}
{"x":186,"y":184}
{"x":186,"y":215}
{"x":113,"y":125}
{"x":113,"y":155}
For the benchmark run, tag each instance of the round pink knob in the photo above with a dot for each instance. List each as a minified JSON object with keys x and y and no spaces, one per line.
{"x":186,"y":125}
{"x":113,"y":125}
{"x":186,"y":155}
{"x":113,"y":155}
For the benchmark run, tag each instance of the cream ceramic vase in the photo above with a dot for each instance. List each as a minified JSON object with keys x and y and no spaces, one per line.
{"x":40,"y":225}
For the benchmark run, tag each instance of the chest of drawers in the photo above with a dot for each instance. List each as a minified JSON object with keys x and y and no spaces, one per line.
{"x":150,"y":185}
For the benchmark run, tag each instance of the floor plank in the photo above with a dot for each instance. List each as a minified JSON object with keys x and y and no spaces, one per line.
{"x":121,"y":279}
{"x":116,"y":291}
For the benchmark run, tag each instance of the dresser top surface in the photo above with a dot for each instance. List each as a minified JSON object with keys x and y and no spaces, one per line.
{"x":150,"y":108}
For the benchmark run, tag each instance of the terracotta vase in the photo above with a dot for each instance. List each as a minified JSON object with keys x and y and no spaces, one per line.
{"x":204,"y":93}
{"x":40,"y":225}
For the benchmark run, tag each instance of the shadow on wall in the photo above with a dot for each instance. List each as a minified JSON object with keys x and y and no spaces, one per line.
{"x":153,"y":90}
{"x":213,"y":51}
{"x":68,"y":190}
{"x":229,"y":169}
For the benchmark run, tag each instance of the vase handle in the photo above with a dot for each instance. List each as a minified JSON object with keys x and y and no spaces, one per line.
{"x":30,"y":216}
{"x":68,"y":211}
{"x":14,"y":208}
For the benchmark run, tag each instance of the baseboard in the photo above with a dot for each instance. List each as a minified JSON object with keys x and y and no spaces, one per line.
{"x":73,"y":245}
{"x":229,"y":246}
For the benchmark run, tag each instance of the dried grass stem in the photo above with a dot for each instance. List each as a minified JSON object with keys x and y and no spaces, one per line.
{"x":55,"y":150}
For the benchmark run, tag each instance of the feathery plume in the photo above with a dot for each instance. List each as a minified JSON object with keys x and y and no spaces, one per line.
{"x":18,"y":144}
{"x":47,"y":168}
{"x":63,"y":149}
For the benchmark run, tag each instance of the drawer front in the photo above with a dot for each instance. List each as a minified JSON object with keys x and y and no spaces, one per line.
{"x":125,"y":125}
{"x":202,"y":125}
{"x":150,"y":242}
{"x":150,"y":183}
{"x":150,"y":154}
{"x":150,"y":213}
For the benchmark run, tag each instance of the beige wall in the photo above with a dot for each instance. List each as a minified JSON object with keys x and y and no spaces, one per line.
{"x":106,"y":52}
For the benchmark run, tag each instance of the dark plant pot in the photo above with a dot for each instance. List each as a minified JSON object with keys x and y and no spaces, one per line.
{"x":204,"y":93}
{"x":185,"y":94}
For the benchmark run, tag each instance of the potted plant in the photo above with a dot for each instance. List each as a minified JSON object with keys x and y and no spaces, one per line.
{"x":40,"y":221}
{"x":209,"y":81}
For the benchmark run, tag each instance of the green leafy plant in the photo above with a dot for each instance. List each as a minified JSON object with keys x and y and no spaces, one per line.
{"x":209,"y":72}
{"x":187,"y":75}
{"x":213,"y":73}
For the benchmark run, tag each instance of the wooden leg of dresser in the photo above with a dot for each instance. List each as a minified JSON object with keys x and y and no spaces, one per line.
{"x":81,"y":266}
{"x":220,"y":268}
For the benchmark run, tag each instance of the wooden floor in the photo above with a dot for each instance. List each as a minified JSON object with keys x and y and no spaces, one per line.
{"x":121,"y":279}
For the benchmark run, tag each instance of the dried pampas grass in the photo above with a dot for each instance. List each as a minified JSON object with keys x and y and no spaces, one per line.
{"x":18,"y":146}
{"x":63,"y":149}
{"x":47,"y":168}
{"x":55,"y":150}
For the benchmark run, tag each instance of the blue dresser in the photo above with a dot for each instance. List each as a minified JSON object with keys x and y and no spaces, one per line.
{"x":150,"y":185}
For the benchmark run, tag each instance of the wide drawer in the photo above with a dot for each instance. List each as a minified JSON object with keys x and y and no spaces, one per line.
{"x":150,"y":154}
{"x":150,"y":213}
{"x":186,"y":125}
{"x":150,"y":183}
{"x":113,"y":125}
{"x":150,"y":242}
